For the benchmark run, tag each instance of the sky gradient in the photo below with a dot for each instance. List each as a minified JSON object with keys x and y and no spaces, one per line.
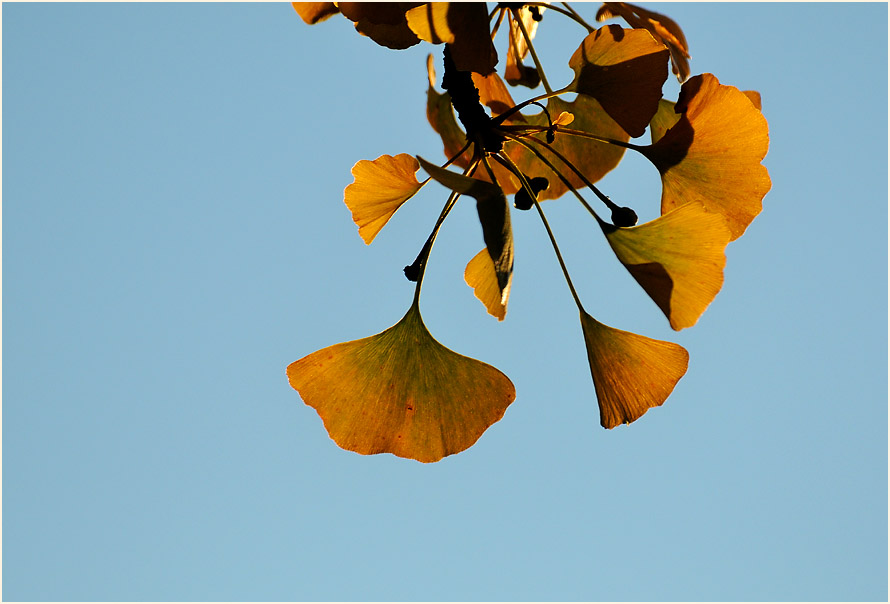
{"x":174,"y":236}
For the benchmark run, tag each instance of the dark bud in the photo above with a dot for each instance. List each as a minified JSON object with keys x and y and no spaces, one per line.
{"x":623,"y":217}
{"x":550,"y":136}
{"x":412,"y":271}
{"x":522,"y":200}
{"x":536,"y":14}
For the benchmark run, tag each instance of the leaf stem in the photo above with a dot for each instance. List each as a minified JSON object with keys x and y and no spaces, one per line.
{"x":419,"y":263}
{"x":508,"y":163}
{"x":573,"y":14}
{"x":498,"y":120}
{"x":531,"y":48}
{"x":602,"y":139}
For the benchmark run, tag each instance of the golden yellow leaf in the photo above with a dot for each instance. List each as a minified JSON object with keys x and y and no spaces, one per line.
{"x":623,"y":69}
{"x":315,"y":12}
{"x":712,"y":154}
{"x":481,"y":276}
{"x":631,"y":373}
{"x":677,"y":258}
{"x":663,"y":120}
{"x":380,"y":188}
{"x":402,"y":392}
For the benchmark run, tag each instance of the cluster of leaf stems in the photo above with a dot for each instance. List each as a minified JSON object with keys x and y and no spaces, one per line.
{"x":481,"y":133}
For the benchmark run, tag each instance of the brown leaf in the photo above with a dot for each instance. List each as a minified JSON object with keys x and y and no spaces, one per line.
{"x":383,"y":22}
{"x":462,"y":25}
{"x":662,"y":28}
{"x":631,"y":373}
{"x":480,"y":274}
{"x":712,"y":154}
{"x":623,"y":69}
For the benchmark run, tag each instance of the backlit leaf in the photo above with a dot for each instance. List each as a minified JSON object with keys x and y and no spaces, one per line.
{"x":623,"y":69}
{"x":515,"y":72}
{"x":712,"y":154}
{"x":677,"y":258}
{"x":494,"y":215}
{"x":462,"y":25}
{"x":380,"y":188}
{"x":481,"y":276}
{"x":315,"y":12}
{"x":662,"y":28}
{"x":663,"y":120}
{"x":402,"y":392}
{"x":631,"y":373}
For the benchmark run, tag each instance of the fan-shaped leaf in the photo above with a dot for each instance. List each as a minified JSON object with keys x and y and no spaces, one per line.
{"x":482,"y":277}
{"x":677,"y":258}
{"x":631,"y":373}
{"x":380,"y":188}
{"x":402,"y":392}
{"x":662,"y":28}
{"x":623,"y":69}
{"x":383,"y":22}
{"x":712,"y":154}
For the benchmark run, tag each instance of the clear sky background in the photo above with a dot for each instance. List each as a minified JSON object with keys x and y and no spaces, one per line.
{"x":174,"y":236}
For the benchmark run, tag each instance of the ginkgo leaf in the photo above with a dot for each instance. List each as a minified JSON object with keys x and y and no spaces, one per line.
{"x":677,"y":258}
{"x":461,"y":25}
{"x":380,"y":188}
{"x":481,"y":276}
{"x":662,"y":28}
{"x":593,"y":158}
{"x":402,"y":392}
{"x":383,"y":22}
{"x":494,"y":215}
{"x":623,"y":69}
{"x":315,"y":12}
{"x":517,"y":48}
{"x":631,"y":373}
{"x":712,"y":154}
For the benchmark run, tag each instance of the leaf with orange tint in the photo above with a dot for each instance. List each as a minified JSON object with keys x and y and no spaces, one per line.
{"x":481,"y":276}
{"x":663,"y":120}
{"x":402,"y":392}
{"x":315,"y":12}
{"x":383,"y":22}
{"x":623,"y":69}
{"x":517,"y":48}
{"x":712,"y":154}
{"x":463,"y":26}
{"x":662,"y":28}
{"x":494,"y":215}
{"x":380,"y":188}
{"x":631,"y":373}
{"x":593,"y":158}
{"x":677,"y":258}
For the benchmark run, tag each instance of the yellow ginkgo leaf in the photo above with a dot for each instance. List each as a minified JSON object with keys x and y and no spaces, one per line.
{"x":461,"y":25}
{"x":677,"y":258}
{"x":631,"y":373}
{"x":380,"y":188}
{"x":623,"y":69}
{"x":481,"y":276}
{"x":402,"y":392}
{"x":712,"y":154}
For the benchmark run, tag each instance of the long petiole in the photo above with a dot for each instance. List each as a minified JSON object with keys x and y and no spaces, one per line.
{"x":574,"y":15}
{"x":531,"y":48}
{"x":605,"y":199}
{"x":420,"y":262}
{"x":508,"y":163}
{"x":564,"y":180}
{"x":497,"y":120}
{"x":601,"y":139}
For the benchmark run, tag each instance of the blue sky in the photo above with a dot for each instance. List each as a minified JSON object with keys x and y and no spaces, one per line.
{"x":174,"y":236}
